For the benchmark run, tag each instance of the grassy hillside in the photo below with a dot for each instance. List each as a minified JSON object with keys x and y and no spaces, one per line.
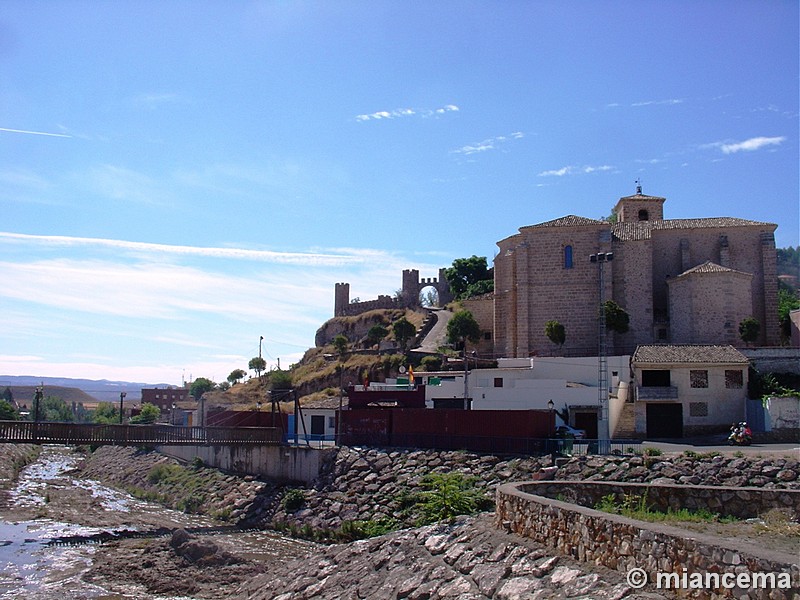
{"x":316,"y":375}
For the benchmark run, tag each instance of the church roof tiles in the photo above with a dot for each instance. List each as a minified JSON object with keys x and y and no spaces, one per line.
{"x":642,"y":230}
{"x":695,"y":353}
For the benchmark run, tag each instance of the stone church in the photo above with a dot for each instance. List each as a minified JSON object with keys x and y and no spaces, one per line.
{"x":682,"y":281}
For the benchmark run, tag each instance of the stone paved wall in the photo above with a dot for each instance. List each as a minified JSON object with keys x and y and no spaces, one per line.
{"x":623,"y":544}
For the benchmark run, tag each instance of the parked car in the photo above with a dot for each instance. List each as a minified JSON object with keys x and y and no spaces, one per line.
{"x":566,"y":431}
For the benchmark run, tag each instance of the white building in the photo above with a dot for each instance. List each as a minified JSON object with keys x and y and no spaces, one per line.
{"x":531,"y":383}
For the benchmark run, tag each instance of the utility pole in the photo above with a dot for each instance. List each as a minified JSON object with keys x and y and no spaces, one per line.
{"x":121,"y":398}
{"x":603,"y":424}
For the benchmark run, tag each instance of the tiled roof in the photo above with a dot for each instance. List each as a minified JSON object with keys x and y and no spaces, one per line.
{"x":664,"y":353}
{"x":326,"y":403}
{"x":710,"y":267}
{"x":568,"y":221}
{"x":642,"y":230}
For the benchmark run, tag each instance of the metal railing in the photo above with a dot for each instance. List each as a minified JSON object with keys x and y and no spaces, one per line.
{"x":27,"y":432}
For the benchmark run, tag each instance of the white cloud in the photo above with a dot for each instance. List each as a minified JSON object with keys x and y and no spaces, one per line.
{"x":493,"y":143}
{"x":405,"y":112}
{"x":751,"y":144}
{"x":152,"y":101}
{"x":669,"y":102}
{"x":351,"y":256}
{"x":573,"y":170}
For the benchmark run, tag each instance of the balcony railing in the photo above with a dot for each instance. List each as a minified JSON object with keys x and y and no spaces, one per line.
{"x":656,"y":393}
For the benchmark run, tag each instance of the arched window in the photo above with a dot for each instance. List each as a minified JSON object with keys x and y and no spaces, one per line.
{"x":567,"y":257}
{"x":643,"y":215}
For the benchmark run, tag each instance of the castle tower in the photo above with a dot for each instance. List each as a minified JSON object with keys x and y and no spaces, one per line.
{"x":341,"y":299}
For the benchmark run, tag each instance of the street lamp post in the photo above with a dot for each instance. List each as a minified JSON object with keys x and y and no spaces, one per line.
{"x":121,"y":398}
{"x":604,"y":433}
{"x":172,"y":414}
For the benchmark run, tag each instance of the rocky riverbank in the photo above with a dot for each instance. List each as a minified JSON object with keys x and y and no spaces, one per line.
{"x":468,"y":558}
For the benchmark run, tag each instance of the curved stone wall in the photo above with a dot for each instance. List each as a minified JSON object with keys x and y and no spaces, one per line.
{"x":531,"y":509}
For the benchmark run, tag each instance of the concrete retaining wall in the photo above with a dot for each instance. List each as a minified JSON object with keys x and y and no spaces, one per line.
{"x":623,"y":544}
{"x":286,"y":463}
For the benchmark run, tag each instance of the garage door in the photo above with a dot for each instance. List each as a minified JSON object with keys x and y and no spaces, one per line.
{"x":664,"y":420}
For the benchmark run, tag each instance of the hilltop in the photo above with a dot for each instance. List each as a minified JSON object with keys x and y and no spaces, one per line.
{"x":316,"y":375}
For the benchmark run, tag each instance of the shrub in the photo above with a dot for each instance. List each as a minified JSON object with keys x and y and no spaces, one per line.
{"x":293,"y":499}
{"x":447,"y":495}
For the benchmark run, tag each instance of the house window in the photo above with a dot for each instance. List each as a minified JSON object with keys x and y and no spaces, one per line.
{"x":331,"y":422}
{"x":698,"y":378}
{"x":487,"y":335}
{"x":698,"y":409}
{"x":644,"y":215}
{"x":498,"y":382}
{"x":734,"y":379}
{"x":567,"y":257}
{"x":655,"y":378}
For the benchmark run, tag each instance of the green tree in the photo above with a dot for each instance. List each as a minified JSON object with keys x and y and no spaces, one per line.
{"x":787,"y":302}
{"x":555,"y":332}
{"x":8,"y":396}
{"x":150,"y":413}
{"x":403,"y":330}
{"x":376,"y":333}
{"x":340,"y":344}
{"x":106,"y":413}
{"x":236,"y":376}
{"x":200,"y":386}
{"x":617,"y":320}
{"x":431,"y":363}
{"x":280,"y":380}
{"x":7,"y":411}
{"x":469,"y":277}
{"x":749,"y":329}
{"x":55,"y":409}
{"x":462,"y":327}
{"x":257,"y":364}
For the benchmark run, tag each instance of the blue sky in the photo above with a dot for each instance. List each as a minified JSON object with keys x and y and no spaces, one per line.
{"x":178,"y":179}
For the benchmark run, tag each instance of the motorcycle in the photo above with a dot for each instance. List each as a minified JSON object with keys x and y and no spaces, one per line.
{"x":741,"y":435}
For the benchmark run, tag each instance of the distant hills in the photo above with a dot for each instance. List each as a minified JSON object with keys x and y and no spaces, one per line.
{"x":99,"y":390}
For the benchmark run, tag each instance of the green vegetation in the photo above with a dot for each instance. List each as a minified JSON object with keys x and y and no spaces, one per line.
{"x":462,"y":327}
{"x":293,"y":499}
{"x":7,"y":411}
{"x":150,"y":413}
{"x":403,"y":331}
{"x":555,"y":332}
{"x":636,"y":507}
{"x":236,"y":376}
{"x":469,"y":277}
{"x":200,"y":386}
{"x":749,"y":329}
{"x":444,"y":496}
{"x":617,"y":320}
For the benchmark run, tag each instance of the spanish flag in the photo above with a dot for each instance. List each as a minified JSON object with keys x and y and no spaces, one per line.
{"x":410,"y":376}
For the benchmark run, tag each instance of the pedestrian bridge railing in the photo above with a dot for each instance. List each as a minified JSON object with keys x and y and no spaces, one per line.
{"x":27,"y":432}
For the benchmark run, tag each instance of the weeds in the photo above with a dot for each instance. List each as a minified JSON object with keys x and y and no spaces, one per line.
{"x":636,"y":507}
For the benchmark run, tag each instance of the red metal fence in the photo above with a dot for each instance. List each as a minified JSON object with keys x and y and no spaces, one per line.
{"x":498,"y":431}
{"x":27,"y":432}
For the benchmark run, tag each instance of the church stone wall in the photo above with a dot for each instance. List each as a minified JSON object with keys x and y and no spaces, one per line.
{"x":706,"y":308}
